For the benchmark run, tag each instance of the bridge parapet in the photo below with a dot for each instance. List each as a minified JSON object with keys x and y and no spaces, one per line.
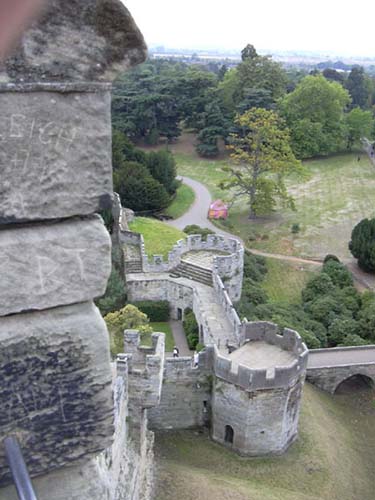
{"x":328,"y":368}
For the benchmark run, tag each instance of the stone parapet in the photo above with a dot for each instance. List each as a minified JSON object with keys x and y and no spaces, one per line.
{"x":255,"y":379}
{"x":227,"y":304}
{"x":146,"y":366}
{"x":59,"y":408}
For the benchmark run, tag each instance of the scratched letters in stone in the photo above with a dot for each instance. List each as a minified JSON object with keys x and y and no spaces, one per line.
{"x":55,"y":154}
{"x":44,"y":266}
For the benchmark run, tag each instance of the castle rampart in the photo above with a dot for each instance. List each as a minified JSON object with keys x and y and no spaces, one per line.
{"x":186,"y":394}
{"x":257,"y":390}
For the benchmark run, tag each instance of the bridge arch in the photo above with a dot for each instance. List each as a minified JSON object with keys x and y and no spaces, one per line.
{"x":354,"y":382}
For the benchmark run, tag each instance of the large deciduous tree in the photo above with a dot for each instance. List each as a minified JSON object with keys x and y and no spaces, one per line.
{"x":360,"y":124}
{"x":314,"y":112}
{"x":261,"y":157}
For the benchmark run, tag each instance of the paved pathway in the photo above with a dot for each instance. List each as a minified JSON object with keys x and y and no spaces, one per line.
{"x":220,"y":331}
{"x":336,"y":357}
{"x":180,"y":338}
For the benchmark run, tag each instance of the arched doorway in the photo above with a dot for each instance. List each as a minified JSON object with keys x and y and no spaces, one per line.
{"x":229,"y":434}
{"x":357,"y":382}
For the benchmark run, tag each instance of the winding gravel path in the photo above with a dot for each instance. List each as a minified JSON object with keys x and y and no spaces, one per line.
{"x":197,"y":214}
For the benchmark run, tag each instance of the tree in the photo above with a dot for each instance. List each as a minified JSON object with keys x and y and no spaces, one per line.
{"x":261,"y":157}
{"x":213,"y":126}
{"x":359,"y":87}
{"x":333,"y":75}
{"x":162,"y":167}
{"x":255,"y":73}
{"x":362,"y":244}
{"x":360,"y":124}
{"x":248,"y":52}
{"x":137,"y":188}
{"x":314,"y":112}
{"x":115,"y":294}
{"x":129,"y":317}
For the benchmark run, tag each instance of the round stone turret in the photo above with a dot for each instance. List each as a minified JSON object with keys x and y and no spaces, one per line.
{"x":257,"y":390}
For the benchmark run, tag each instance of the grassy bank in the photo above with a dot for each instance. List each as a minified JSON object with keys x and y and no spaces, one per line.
{"x":159,"y":237}
{"x":333,"y":459}
{"x":182,"y":202}
{"x":284,"y":281}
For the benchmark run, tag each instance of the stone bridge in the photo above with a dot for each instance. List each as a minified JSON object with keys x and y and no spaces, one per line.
{"x":328,"y":368}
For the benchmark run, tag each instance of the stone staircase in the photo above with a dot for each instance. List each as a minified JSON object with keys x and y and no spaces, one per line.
{"x":132,"y":259}
{"x":133,"y":266}
{"x":193,"y":272}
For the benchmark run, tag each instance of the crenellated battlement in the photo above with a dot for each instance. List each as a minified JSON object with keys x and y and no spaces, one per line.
{"x":145,"y":368}
{"x":245,"y":376}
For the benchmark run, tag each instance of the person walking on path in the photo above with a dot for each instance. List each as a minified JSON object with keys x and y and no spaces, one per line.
{"x":176,"y":352}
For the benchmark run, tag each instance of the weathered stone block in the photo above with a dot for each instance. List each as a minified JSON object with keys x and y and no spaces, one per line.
{"x":55,"y":151}
{"x":48,"y":265}
{"x":77,"y":40}
{"x":55,"y":392}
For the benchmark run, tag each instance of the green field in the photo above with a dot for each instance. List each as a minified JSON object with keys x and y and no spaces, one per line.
{"x":336,"y":194}
{"x":333,"y":459}
{"x":285,"y":280}
{"x":182,"y":202}
{"x":159,"y":237}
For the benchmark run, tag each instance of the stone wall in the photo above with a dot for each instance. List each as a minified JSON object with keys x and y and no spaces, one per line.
{"x":123,"y":471}
{"x":264,"y":422}
{"x":179,"y":295}
{"x":186,"y":395}
{"x":255,"y":379}
{"x":228,"y":267}
{"x":55,"y":254}
{"x":329,"y":377}
{"x":227,"y":305}
{"x":146,"y":366}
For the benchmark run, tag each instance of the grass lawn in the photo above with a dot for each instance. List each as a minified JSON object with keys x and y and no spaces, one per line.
{"x":208,"y":172}
{"x":159,"y":237}
{"x":333,"y":459}
{"x":165,"y":328}
{"x":284,"y":281}
{"x":182,"y":202}
{"x":337,"y":193}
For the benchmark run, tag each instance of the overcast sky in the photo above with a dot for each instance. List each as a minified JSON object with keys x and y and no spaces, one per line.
{"x":336,"y":26}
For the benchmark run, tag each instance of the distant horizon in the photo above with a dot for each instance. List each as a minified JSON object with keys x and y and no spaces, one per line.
{"x":327,"y":28}
{"x":260,"y":50}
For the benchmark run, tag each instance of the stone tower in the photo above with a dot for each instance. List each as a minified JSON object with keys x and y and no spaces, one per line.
{"x":257,"y":391}
{"x":55,"y":253}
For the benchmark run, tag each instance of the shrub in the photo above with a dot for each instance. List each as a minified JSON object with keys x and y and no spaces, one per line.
{"x":129,"y":317}
{"x":191,"y":328}
{"x":338,"y":273}
{"x":362,"y":244}
{"x":254,"y":266}
{"x":341,"y":329}
{"x":329,"y":257}
{"x":155,"y":310}
{"x":316,"y":287}
{"x":253,"y":293}
{"x":295,"y":228}
{"x":115,"y":294}
{"x":195,"y":229}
